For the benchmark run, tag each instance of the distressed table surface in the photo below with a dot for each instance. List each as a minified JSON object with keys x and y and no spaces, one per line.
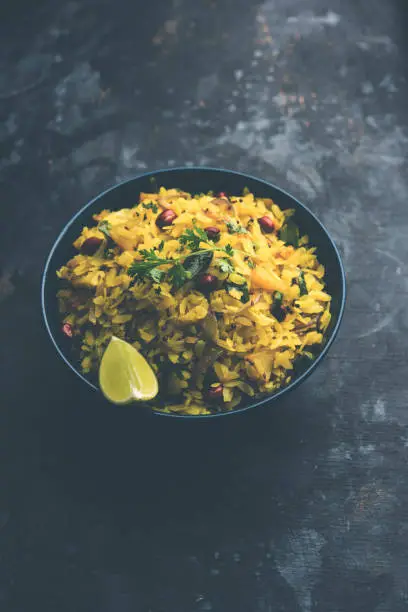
{"x":301,"y":508}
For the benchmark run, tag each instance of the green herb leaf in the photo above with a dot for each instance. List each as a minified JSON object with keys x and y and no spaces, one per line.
{"x":225,"y":266}
{"x":140,"y":269}
{"x":290,"y":233}
{"x":157,"y":275}
{"x":109,"y":254}
{"x":200,"y":232}
{"x":302,"y":284}
{"x":105,"y":227}
{"x":197,"y":263}
{"x":235,"y":228}
{"x":276,"y":308}
{"x":178,"y":275}
{"x":151,"y":255}
{"x":182,"y":268}
{"x":150,"y":206}
{"x":193,"y":237}
{"x":245,"y":294}
{"x":190,"y":239}
{"x":242,"y":288}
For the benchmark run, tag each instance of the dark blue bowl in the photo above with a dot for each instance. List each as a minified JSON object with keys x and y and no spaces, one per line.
{"x":195,"y":180}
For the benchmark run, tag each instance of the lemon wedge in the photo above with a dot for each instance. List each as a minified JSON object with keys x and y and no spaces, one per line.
{"x":124,"y":374}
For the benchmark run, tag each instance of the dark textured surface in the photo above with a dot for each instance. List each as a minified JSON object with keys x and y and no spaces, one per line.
{"x":298,"y":509}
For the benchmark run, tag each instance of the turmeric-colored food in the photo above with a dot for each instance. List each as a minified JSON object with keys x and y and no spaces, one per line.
{"x":220,"y":294}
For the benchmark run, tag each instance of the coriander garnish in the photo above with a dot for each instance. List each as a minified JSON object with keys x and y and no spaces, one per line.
{"x":183,"y":268}
{"x":235,"y":228}
{"x":150,"y":206}
{"x":225,"y":266}
{"x":193,"y":237}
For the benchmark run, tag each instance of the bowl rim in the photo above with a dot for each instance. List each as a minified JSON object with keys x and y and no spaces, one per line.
{"x":262,"y":401}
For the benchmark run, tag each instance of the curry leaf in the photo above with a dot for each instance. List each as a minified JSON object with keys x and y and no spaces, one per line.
{"x":302,"y":284}
{"x":276,"y":308}
{"x":229,"y":286}
{"x":198,"y":263}
{"x":290,"y":233}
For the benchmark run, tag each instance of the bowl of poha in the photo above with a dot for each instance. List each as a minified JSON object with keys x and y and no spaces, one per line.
{"x":231,"y":289}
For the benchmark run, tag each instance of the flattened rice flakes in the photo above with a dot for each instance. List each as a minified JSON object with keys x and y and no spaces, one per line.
{"x":265,"y":307}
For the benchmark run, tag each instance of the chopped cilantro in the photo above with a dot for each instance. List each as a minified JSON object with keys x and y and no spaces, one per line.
{"x":235,"y":228}
{"x":149,"y":254}
{"x":178,"y":275}
{"x":193,"y":237}
{"x":182,"y":268}
{"x":150,"y":206}
{"x":156,"y":275}
{"x":225,"y":266}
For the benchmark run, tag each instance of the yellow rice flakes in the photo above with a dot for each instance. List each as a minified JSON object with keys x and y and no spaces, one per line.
{"x":186,"y":333}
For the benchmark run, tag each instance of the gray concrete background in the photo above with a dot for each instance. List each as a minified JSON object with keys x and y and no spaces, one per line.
{"x":302,"y":508}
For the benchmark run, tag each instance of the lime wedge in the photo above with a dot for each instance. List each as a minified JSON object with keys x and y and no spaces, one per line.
{"x":124,"y":374}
